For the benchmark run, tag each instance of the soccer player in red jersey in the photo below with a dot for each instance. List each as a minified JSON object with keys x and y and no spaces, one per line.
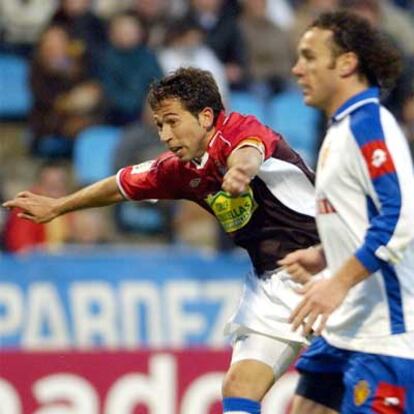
{"x":257,"y":187}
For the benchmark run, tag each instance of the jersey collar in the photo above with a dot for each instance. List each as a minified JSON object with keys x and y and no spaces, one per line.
{"x":370,"y":95}
{"x":200,"y":163}
{"x":221,"y":120}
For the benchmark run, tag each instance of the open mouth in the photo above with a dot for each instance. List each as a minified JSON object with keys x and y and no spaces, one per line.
{"x":176,"y":150}
{"x":305,"y":89}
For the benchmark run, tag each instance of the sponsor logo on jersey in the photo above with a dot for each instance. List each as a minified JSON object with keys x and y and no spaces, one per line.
{"x":390,"y":398}
{"x":233,"y":213}
{"x":143,"y":167}
{"x":325,"y":207}
{"x":361,"y":392}
{"x":392,"y":401}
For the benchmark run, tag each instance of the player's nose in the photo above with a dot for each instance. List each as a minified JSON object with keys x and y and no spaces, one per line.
{"x":297,"y":69}
{"x":165,"y":134}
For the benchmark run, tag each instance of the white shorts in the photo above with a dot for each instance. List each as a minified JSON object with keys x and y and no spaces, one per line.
{"x":277,"y":353}
{"x":265,"y":307}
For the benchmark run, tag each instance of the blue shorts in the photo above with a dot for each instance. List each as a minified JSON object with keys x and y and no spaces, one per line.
{"x":378,"y":384}
{"x":323,"y":358}
{"x":373,"y":383}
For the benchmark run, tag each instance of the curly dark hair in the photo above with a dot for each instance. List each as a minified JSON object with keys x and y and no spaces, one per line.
{"x":196,"y":89}
{"x":379,"y":61}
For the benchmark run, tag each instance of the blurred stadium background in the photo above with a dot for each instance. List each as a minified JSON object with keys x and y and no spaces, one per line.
{"x":120,"y":311}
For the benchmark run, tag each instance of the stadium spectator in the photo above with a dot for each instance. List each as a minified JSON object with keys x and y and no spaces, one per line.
{"x":224,"y":36}
{"x":90,"y":228}
{"x":127,"y":69}
{"x":269,"y":54}
{"x":108,"y":8}
{"x":305,"y":13}
{"x":407,"y":119}
{"x":22,"y":236}
{"x":65,"y":99}
{"x":388,"y":18}
{"x":84,"y":27}
{"x":280,"y":13}
{"x":21,"y":23}
{"x":155,"y":16}
{"x":185,"y":47}
{"x":399,"y":25}
{"x":375,"y":11}
{"x":140,"y":142}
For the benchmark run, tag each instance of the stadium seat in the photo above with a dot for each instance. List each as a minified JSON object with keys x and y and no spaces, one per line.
{"x":51,"y":146}
{"x":93,"y":153}
{"x":247,"y":103}
{"x":15,"y":97}
{"x":142,"y":217}
{"x":288,"y":115}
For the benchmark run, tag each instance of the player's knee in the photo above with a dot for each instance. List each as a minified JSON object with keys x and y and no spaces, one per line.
{"x":236,"y":385}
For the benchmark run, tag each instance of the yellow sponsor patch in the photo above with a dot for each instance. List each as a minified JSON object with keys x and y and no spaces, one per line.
{"x":361,"y":392}
{"x":233,"y":213}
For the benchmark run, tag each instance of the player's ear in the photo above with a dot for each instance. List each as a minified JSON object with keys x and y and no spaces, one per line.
{"x":206,"y":118}
{"x":348,"y":64}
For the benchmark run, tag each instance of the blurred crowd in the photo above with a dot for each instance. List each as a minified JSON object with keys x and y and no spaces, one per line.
{"x":90,"y":63}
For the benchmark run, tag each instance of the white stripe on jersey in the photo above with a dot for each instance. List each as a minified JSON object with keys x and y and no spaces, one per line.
{"x":289,"y":185}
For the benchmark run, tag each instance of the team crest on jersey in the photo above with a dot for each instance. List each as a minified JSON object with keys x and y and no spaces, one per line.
{"x":195,"y":182}
{"x":361,"y":392}
{"x":232,"y":212}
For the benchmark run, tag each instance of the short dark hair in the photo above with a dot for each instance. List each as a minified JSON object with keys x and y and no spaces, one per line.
{"x":379,"y":60}
{"x":196,"y":89}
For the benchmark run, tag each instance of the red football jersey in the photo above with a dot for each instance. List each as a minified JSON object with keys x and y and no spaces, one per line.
{"x":265,"y":220}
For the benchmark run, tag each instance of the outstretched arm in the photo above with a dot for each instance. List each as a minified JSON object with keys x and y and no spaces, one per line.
{"x":243,"y":164}
{"x":41,"y":209}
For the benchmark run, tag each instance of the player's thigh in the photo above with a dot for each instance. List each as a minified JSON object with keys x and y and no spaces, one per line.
{"x":320,"y":387}
{"x":301,"y":405}
{"x":257,"y":361}
{"x":318,"y":393}
{"x":376,"y":384}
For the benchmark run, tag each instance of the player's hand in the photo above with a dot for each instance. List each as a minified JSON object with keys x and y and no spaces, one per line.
{"x":320,"y":298}
{"x":298,"y":273}
{"x":304,"y":262}
{"x":235,"y":181}
{"x":34,"y":207}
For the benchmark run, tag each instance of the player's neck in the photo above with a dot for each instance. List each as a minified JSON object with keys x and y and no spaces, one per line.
{"x":344,"y":93}
{"x":206,"y":142}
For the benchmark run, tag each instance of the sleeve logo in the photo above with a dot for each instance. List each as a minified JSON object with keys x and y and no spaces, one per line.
{"x":377,"y":158}
{"x":233,"y":213}
{"x":143,"y":167}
